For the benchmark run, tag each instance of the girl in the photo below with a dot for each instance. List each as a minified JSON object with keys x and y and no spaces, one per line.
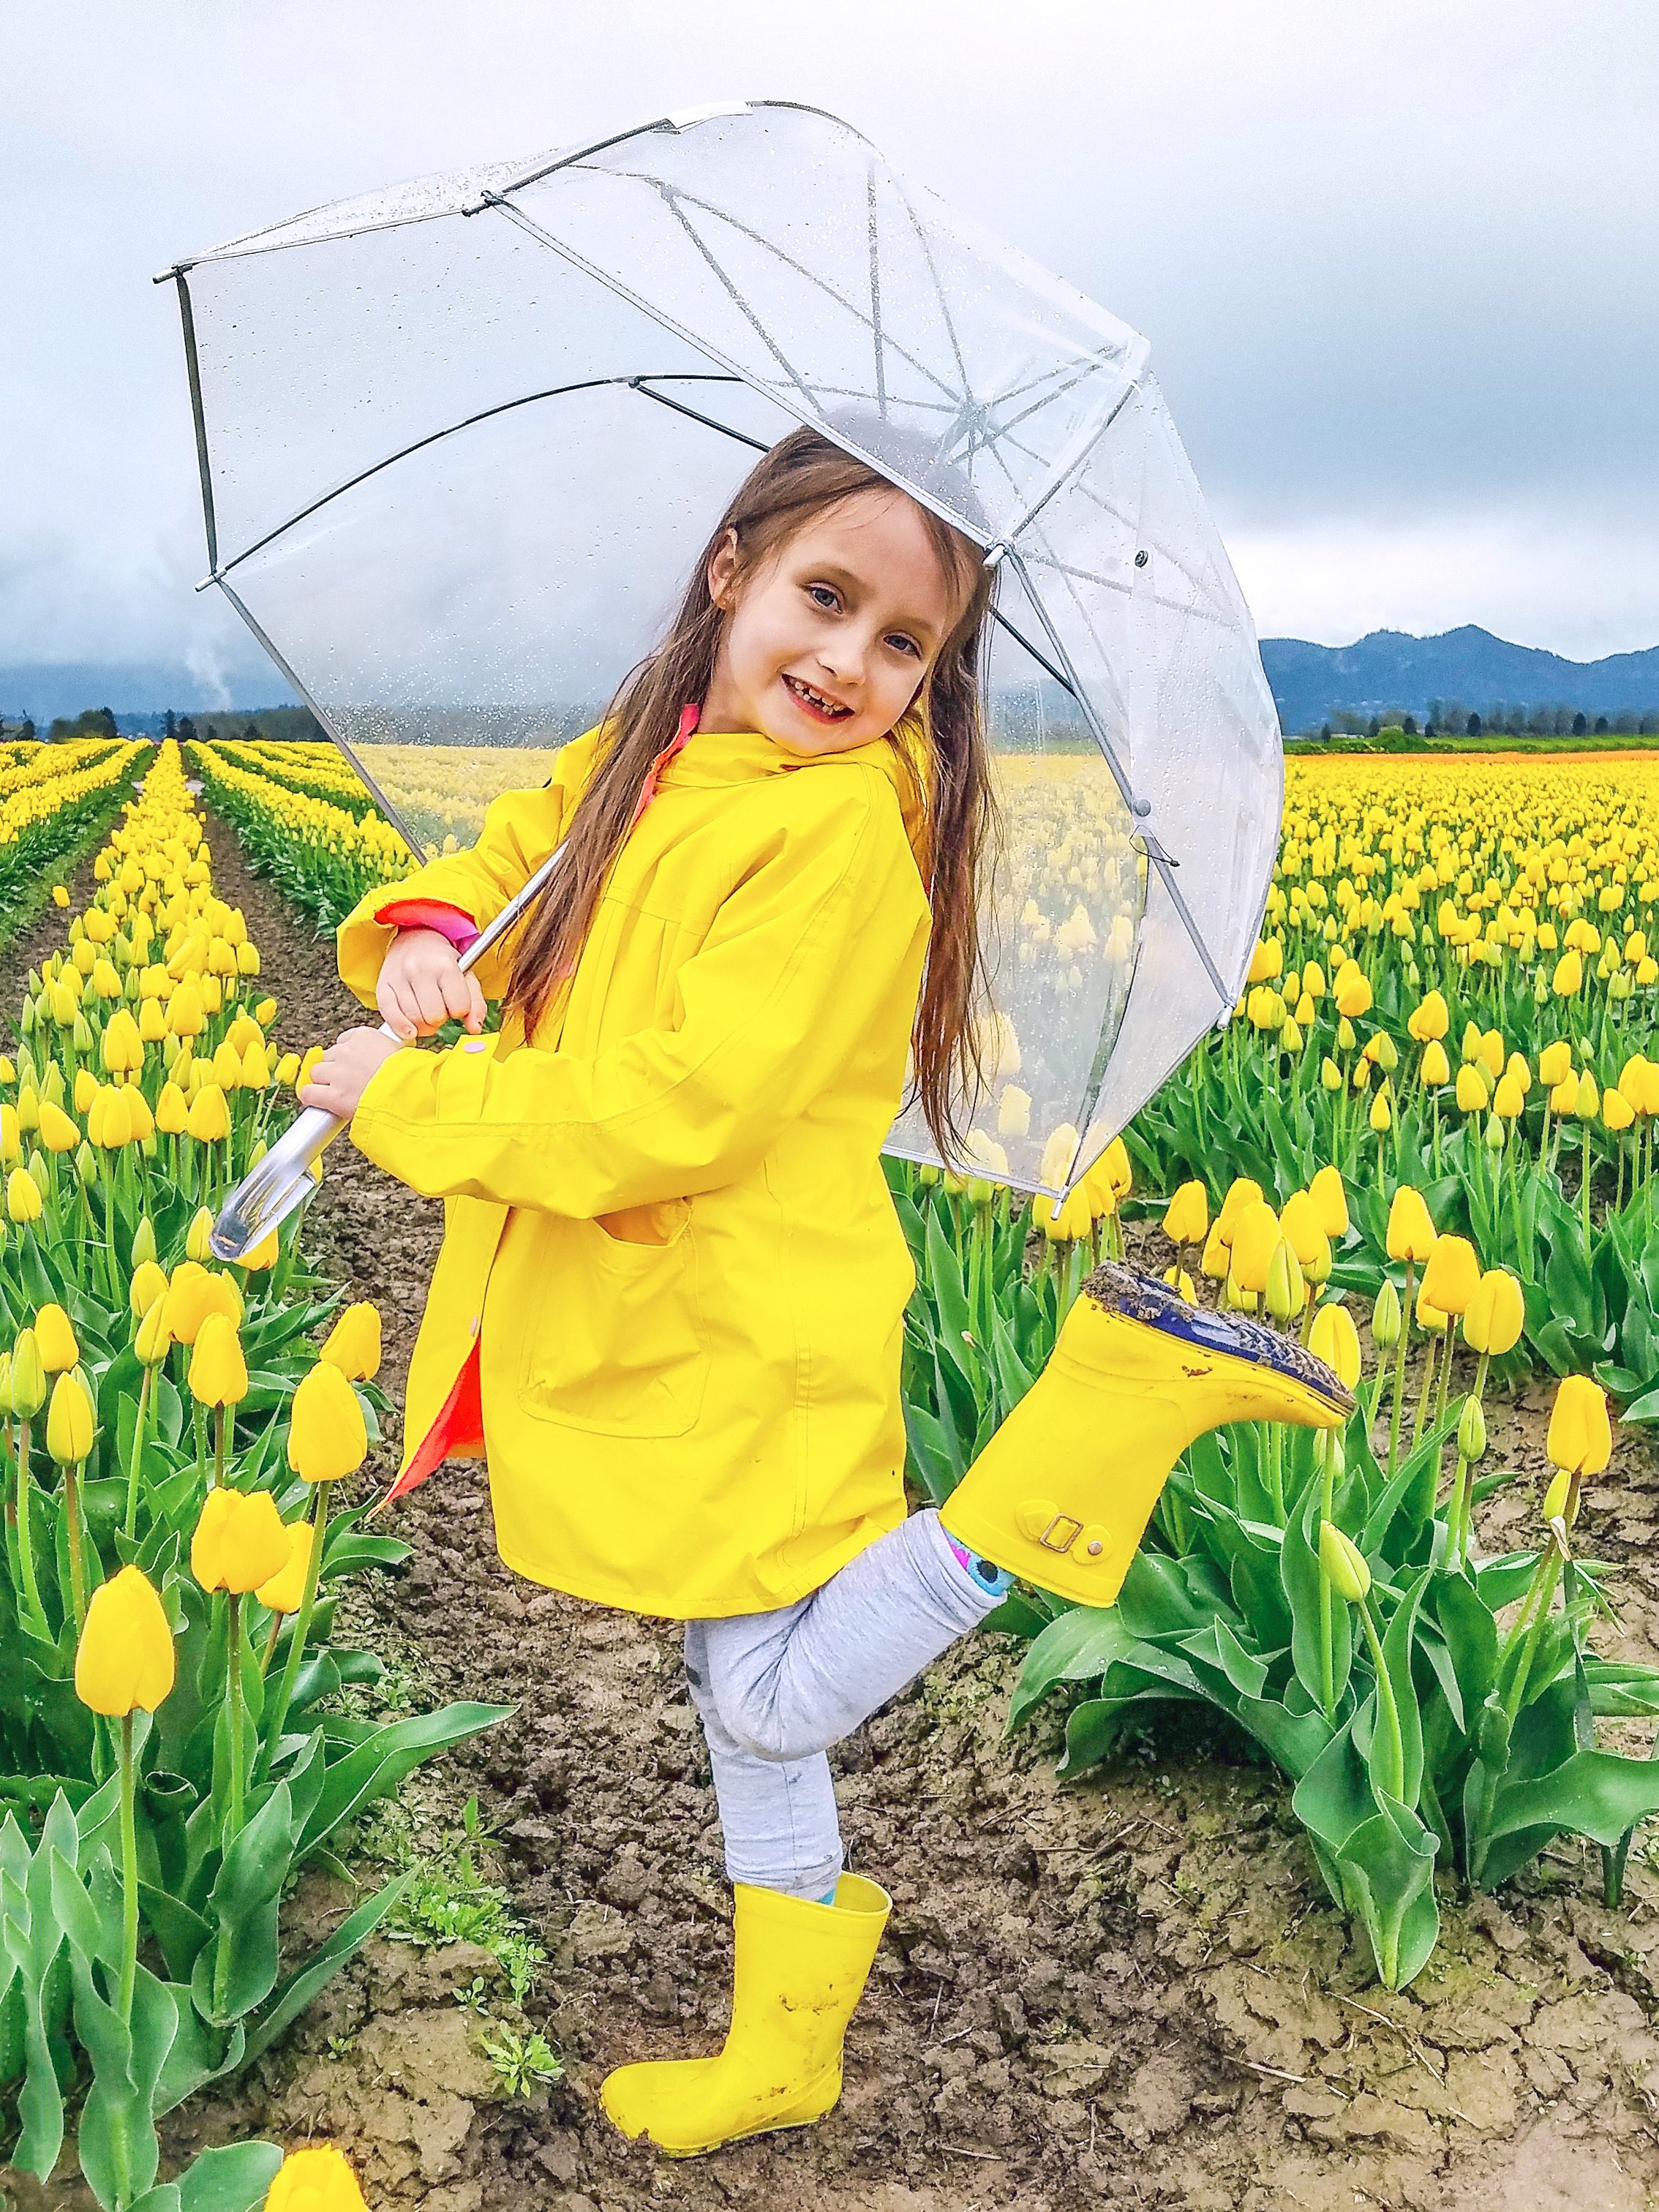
{"x":669,"y":1304}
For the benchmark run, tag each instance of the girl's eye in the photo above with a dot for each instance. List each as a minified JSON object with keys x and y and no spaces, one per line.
{"x":823,"y":596}
{"x":904,"y":644}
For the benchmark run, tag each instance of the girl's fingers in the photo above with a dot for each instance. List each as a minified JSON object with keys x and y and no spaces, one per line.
{"x":475,"y":1018}
{"x":429,"y":998}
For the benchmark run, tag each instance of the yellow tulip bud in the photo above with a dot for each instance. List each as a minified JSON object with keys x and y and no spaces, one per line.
{"x":1452,"y":1275}
{"x":1411,"y":1232}
{"x":327,"y":1438}
{"x":1217,"y":1255}
{"x":1431,"y":1021}
{"x":1382,"y":1117}
{"x":1494,"y":1315}
{"x":1330,"y":1202}
{"x":70,"y":1426}
{"x":1554,"y":1064}
{"x":240,"y":1540}
{"x":218,"y":1372}
{"x":190,"y":1299}
{"x":1343,"y":1563}
{"x":1286,"y":1293}
{"x":28,"y":1376}
{"x":124,"y":1660}
{"x":1241,"y":1193}
{"x":1334,"y":1339}
{"x":1558,"y":1496}
{"x":208,"y":1118}
{"x":1588,"y":1103}
{"x":1508,"y":1100}
{"x":55,"y":1339}
{"x":1569,"y":975}
{"x":1435,"y":1069}
{"x":153,"y":1339}
{"x":149,"y":1282}
{"x":353,"y":1344}
{"x":58,"y":1132}
{"x":1617,"y":1111}
{"x":1563,"y":1097}
{"x":1471,"y":1095}
{"x":1580,"y":1437}
{"x":1255,"y":1238}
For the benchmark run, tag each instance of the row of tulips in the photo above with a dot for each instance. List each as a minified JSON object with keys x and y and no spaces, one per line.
{"x":54,"y":801}
{"x":320,"y":853}
{"x":1434,"y":1708}
{"x":171,"y":1756}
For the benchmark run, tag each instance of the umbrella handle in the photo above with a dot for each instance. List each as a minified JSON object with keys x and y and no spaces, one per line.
{"x":268,"y":1194}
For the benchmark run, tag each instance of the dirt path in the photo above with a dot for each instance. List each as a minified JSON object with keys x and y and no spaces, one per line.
{"x":1129,"y":1993}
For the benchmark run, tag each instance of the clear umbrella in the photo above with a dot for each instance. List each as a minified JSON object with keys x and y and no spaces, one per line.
{"x":459,"y":439}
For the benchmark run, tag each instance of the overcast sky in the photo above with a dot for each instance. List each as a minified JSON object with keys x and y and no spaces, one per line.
{"x":1396,"y":259}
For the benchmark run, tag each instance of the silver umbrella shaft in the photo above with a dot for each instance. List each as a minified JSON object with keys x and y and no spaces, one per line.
{"x":269,"y":1193}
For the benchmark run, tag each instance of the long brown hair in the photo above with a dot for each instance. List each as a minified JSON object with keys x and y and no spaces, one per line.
{"x":800,"y":478}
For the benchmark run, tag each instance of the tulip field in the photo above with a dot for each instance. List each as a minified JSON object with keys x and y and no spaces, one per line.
{"x":175,"y":1432}
{"x":1424,"y":1146}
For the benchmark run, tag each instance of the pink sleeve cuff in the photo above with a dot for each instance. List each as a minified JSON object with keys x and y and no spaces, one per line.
{"x":430,"y":913}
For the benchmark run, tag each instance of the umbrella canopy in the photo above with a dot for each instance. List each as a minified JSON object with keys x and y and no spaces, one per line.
{"x":460,"y":440}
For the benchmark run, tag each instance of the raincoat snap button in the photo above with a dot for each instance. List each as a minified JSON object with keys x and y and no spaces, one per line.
{"x":473,"y":1044}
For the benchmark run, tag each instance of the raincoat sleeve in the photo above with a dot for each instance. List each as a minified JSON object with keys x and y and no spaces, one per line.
{"x":819,"y":939}
{"x":520,"y":829}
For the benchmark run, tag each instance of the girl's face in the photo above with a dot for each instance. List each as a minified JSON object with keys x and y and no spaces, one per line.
{"x":830,"y":639}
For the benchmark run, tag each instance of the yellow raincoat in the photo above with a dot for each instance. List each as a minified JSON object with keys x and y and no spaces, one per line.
{"x":665,"y":1221}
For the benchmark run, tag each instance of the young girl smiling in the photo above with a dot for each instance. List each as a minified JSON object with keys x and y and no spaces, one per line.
{"x":669,"y":1306}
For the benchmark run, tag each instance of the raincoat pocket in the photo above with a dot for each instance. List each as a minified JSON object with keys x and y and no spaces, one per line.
{"x":624,"y":1351}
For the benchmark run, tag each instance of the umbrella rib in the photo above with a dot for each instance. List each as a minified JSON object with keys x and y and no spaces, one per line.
{"x":432,"y":438}
{"x":875,"y":294}
{"x":672,"y":200}
{"x":193,"y":374}
{"x":787,"y":261}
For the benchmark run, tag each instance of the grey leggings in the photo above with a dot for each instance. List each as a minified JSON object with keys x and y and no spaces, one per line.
{"x":774,"y":1689}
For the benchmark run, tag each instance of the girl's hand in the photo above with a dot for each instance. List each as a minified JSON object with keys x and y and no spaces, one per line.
{"x":341,"y":1076}
{"x":423,"y":985}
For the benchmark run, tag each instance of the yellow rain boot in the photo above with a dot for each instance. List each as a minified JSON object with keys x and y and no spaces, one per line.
{"x":799,"y":1972}
{"x":1063,"y":1492}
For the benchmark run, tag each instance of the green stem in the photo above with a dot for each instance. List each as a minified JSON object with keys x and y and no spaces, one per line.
{"x":290,"y":1675}
{"x":1387,"y":1709}
{"x":221,"y":1422}
{"x":131,"y":1524}
{"x":25,"y":1532}
{"x":1327,"y":1607}
{"x":129,"y":1875}
{"x":1400,"y":1364}
{"x":234,"y":1691}
{"x":1427,"y":1390}
{"x":1586,"y":1191}
{"x":77,"y":1563}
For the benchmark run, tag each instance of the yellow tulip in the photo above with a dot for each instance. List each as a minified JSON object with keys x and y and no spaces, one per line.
{"x":326,"y":1437}
{"x":1431,"y":1020}
{"x":28,"y":1376}
{"x":1255,"y":1239}
{"x":1494,"y":1315}
{"x":55,"y":1339}
{"x":1217,"y":1255}
{"x":354,"y":1341}
{"x":286,"y":1590}
{"x":1568,"y":977}
{"x":316,"y":2179}
{"x":1563,"y":1098}
{"x":1508,"y":1100}
{"x":124,"y":1660}
{"x":1580,"y":1438}
{"x":1452,"y":1275}
{"x":1382,"y":1117}
{"x":1436,"y":1068}
{"x":1519,"y":1073}
{"x":1554,"y":1064}
{"x":1471,"y":1088}
{"x":240,"y":1540}
{"x":1058,"y":1153}
{"x":1334,"y":1339}
{"x":1617,"y":1112}
{"x":208,"y":1118}
{"x":70,"y":1425}
{"x":172,"y":1112}
{"x":1330,"y":1201}
{"x":149,"y":1282}
{"x":58,"y":1132}
{"x":1014,"y":1112}
{"x":1411,"y":1232}
{"x":1241,"y":1193}
{"x":1354,"y":998}
{"x":190,"y":1299}
{"x":218,"y":1372}
{"x":1187,"y":1220}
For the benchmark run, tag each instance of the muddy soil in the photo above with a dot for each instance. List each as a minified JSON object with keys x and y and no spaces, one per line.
{"x":1129,"y":1991}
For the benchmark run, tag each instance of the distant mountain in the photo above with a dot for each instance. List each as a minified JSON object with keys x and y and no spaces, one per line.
{"x":134,"y":690}
{"x":1389,"y":670}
